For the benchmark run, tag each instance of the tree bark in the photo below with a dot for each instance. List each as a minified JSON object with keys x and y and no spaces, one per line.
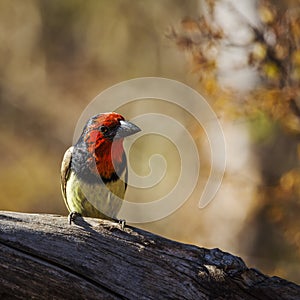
{"x":42,"y":256}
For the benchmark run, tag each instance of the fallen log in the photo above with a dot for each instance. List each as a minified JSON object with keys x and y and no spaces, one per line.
{"x":42,"y":256}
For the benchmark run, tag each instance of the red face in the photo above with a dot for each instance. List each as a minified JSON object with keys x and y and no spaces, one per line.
{"x":102,"y":127}
{"x":103,"y":137}
{"x":110,"y":120}
{"x":99,"y":135}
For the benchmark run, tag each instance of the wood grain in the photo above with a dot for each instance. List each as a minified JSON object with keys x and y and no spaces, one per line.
{"x":44,"y":257}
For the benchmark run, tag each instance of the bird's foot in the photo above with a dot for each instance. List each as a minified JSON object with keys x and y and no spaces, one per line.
{"x":122,"y":223}
{"x":72,"y":216}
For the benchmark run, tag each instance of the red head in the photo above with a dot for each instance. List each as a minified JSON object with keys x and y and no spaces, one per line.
{"x":100,"y":133}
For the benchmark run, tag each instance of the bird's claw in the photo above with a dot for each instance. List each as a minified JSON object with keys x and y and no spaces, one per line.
{"x":122,"y":223}
{"x":72,"y":216}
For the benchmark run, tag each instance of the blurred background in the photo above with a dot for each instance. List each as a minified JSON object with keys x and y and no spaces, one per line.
{"x":56,"y":56}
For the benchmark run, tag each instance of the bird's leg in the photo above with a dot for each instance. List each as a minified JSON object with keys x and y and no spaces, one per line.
{"x":72,"y":216}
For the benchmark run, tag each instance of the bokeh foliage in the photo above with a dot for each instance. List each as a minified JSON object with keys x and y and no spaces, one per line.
{"x":271,"y":107}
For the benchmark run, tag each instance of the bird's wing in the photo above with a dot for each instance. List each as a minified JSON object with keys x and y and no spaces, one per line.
{"x":65,"y":172}
{"x":125,"y":172}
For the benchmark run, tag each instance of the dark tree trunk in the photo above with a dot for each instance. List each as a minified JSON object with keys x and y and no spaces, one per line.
{"x":43,"y":257}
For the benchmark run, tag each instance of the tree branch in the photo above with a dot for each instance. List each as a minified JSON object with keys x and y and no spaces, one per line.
{"x":44,"y":257}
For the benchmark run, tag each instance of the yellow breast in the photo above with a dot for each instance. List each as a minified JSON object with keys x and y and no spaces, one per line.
{"x":94,"y":200}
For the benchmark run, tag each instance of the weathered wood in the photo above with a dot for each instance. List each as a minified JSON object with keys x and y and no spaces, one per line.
{"x":41,"y":256}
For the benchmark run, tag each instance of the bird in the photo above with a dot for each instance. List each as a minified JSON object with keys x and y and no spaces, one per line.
{"x":94,"y":171}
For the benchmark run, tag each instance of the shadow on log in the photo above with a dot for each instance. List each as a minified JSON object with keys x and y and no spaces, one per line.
{"x":43,"y":257}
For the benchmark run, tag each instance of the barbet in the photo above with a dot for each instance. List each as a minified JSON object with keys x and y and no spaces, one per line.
{"x":94,"y":170}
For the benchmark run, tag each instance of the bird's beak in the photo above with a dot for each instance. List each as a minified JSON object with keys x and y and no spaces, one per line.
{"x":125,"y":129}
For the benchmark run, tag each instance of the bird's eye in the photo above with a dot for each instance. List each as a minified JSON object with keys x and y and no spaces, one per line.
{"x":103,"y":129}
